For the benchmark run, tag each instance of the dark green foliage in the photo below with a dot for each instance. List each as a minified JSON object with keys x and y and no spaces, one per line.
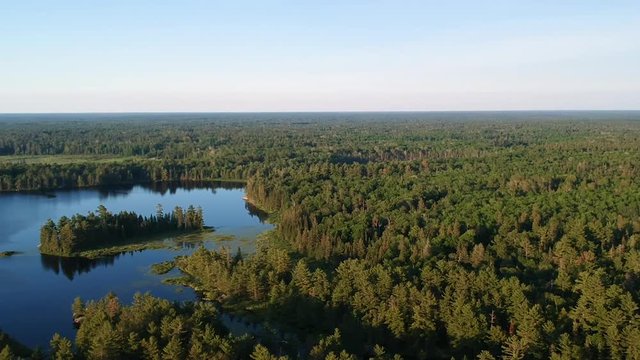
{"x":427,"y":236}
{"x":61,"y":348}
{"x":152,"y":328}
{"x":11,"y":349}
{"x":466,"y":249}
{"x":80,"y":232}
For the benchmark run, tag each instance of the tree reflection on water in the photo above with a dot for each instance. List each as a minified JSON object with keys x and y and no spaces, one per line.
{"x":72,"y":266}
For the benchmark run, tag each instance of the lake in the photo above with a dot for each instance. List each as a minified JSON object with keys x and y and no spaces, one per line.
{"x":37,"y":290}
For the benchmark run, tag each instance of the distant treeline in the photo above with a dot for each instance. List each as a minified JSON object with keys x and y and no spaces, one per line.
{"x":81,"y":232}
{"x":24,"y":177}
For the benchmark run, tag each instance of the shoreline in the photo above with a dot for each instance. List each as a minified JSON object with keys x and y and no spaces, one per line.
{"x":47,"y":191}
{"x":150,"y":242}
{"x":249,"y":201}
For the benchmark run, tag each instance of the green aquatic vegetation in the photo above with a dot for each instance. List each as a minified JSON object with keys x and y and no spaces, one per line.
{"x":224,"y":237}
{"x":163,"y":267}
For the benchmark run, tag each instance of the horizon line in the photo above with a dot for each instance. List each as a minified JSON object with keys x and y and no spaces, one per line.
{"x":315,"y":111}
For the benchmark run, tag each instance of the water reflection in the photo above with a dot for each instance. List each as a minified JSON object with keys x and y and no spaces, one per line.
{"x":113,"y":193}
{"x":255,"y":212}
{"x":171,"y":187}
{"x":71,"y":267}
{"x":163,"y":188}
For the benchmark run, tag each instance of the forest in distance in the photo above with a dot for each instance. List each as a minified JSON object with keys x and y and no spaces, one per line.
{"x":510,"y":235}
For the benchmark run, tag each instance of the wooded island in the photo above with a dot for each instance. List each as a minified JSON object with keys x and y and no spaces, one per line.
{"x":69,"y":236}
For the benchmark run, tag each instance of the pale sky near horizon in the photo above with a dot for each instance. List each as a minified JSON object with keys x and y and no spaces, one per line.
{"x":190,"y":55}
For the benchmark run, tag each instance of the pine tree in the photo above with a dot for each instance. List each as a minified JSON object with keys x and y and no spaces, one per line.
{"x":262,"y":353}
{"x":150,"y":348}
{"x":197,"y":350}
{"x":320,"y":285}
{"x":566,"y":350}
{"x":67,"y":239}
{"x":485,"y":355}
{"x":326,"y":345}
{"x":173,"y":350}
{"x":179,"y":216}
{"x":477,"y":255}
{"x":6,"y":353}
{"x":301,"y":277}
{"x":105,"y":344}
{"x":78,"y":307}
{"x":61,"y":348}
{"x":513,"y":349}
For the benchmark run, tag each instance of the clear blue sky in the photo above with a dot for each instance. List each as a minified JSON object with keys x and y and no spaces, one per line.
{"x":188,"y":55}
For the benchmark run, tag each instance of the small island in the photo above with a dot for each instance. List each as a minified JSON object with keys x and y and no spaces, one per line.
{"x":7,"y":253}
{"x":102,"y":229}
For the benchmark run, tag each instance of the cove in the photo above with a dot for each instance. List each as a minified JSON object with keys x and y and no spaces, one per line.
{"x":37,"y":290}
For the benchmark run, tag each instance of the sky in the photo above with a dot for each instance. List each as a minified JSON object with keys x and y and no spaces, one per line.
{"x":323,"y":55}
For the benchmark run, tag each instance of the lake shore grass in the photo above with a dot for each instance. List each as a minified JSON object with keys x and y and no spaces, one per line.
{"x":156,"y":241}
{"x":66,"y":159}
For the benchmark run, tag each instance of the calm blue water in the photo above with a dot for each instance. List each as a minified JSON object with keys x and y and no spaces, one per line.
{"x":37,"y":291}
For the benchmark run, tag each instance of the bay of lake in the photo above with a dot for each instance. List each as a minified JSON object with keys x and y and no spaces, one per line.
{"x":37,"y":291}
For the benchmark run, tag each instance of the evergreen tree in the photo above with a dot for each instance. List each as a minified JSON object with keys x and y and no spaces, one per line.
{"x":173,"y":350}
{"x":61,"y":348}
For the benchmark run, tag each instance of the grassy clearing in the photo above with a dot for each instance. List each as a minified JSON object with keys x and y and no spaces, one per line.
{"x":118,"y":249}
{"x":66,"y":159}
{"x":224,"y":237}
{"x":158,"y":241}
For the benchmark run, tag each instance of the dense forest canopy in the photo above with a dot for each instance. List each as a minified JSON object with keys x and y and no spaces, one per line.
{"x":490,"y":235}
{"x":89,"y":152}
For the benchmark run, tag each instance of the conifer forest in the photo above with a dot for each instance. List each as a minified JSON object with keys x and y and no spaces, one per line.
{"x":479,"y":235}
